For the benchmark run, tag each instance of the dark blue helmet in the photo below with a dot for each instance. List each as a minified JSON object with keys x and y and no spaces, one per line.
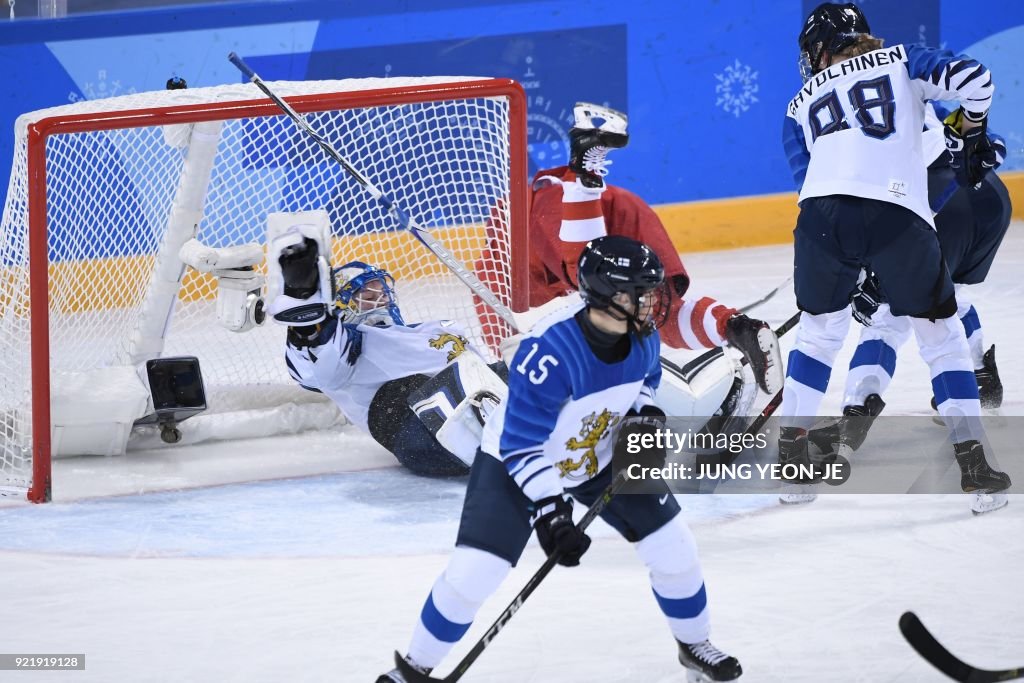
{"x":613,"y":265}
{"x":829,"y":29}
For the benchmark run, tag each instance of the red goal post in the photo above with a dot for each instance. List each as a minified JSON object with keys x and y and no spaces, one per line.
{"x":103,"y":193}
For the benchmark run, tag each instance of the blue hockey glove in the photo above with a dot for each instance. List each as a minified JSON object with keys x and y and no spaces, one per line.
{"x":557,"y":533}
{"x":866,"y":299}
{"x":973,"y":153}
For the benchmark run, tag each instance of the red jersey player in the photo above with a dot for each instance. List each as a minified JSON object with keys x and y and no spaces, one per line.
{"x":572,"y":205}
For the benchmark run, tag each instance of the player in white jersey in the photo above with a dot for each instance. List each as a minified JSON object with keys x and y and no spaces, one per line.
{"x":354,"y":347}
{"x":971,"y":222}
{"x":853,"y":136}
{"x":574,"y":377}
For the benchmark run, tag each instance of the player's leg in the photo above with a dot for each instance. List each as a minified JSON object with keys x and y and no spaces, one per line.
{"x":825,"y":274}
{"x":874,"y":361}
{"x":666,"y":545}
{"x":394,"y":425}
{"x":991,"y":209}
{"x":913,"y":273}
{"x":493,"y":531}
{"x":871,"y":370}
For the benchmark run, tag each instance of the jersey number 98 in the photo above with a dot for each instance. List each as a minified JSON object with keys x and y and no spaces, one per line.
{"x":827,"y":115}
{"x":540,"y":374}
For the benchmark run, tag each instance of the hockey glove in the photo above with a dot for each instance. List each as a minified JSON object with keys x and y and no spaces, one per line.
{"x":973,"y":153}
{"x":866,"y":299}
{"x":759,"y":345}
{"x":557,"y":533}
{"x":637,"y":440}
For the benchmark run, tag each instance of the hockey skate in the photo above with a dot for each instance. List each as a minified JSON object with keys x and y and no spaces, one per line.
{"x":982,"y":503}
{"x":976,"y":475}
{"x":759,"y":345}
{"x":990,"y":389}
{"x":848,"y":432}
{"x":595,"y":131}
{"x":395,"y":675}
{"x":705,"y":662}
{"x":793,"y":451}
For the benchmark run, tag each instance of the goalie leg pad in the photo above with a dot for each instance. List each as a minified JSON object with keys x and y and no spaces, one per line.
{"x":298,"y":267}
{"x":394,"y":425}
{"x":454,"y":404}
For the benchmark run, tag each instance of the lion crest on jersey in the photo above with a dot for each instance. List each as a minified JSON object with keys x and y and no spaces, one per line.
{"x":457,"y":341}
{"x":595,"y":428}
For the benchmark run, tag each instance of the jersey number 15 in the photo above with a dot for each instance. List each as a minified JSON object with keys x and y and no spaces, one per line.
{"x":827,"y":115}
{"x":541,"y":373}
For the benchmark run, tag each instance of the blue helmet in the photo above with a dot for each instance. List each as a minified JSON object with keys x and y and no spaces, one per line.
{"x":366,"y":294}
{"x":830,"y":28}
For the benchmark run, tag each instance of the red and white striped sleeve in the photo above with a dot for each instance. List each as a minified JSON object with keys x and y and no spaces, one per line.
{"x":696,"y":323}
{"x":582,"y":221}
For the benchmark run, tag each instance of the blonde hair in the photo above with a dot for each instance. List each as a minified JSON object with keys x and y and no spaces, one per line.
{"x":865,"y":43}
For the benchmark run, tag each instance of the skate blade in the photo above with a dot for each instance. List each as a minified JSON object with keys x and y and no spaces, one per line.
{"x":797,"y":498}
{"x":769,"y":345}
{"x":696,"y":677}
{"x":983,"y":503}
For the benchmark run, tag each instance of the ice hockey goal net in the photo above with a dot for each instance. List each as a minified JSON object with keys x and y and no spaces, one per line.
{"x":103,"y":192}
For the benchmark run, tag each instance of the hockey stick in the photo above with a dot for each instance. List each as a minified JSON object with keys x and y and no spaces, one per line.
{"x":942,"y":659}
{"x":404,"y":221}
{"x":413,"y":676}
{"x":766,"y":297}
{"x":692,"y":368}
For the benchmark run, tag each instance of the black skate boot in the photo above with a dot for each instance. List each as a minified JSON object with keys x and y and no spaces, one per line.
{"x":760,"y":346}
{"x":707,"y":663}
{"x":590,"y":141}
{"x":990,"y":389}
{"x":395,"y":675}
{"x":850,"y":430}
{"x":975,"y":472}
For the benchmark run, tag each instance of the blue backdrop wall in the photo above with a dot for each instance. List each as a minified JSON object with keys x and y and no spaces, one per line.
{"x":705,"y":82}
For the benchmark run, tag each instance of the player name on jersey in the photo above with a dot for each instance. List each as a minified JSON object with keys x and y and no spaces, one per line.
{"x":869,"y":60}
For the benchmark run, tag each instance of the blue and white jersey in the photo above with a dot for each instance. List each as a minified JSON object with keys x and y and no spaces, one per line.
{"x":862,"y":118}
{"x":351,"y":362}
{"x":557,"y":428}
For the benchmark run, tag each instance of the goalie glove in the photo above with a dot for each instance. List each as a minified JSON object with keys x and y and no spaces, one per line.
{"x":866,"y":299}
{"x":973,"y":154}
{"x":300,"y":291}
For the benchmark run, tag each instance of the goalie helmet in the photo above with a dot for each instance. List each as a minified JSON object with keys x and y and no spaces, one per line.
{"x":613,"y":265}
{"x":829,"y":29}
{"x":366,"y":294}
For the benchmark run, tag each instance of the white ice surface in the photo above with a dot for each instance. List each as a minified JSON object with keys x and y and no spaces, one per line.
{"x":158,"y":567}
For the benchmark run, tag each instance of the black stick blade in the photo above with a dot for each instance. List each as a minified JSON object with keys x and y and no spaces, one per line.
{"x":932,"y":650}
{"x":942,"y":659}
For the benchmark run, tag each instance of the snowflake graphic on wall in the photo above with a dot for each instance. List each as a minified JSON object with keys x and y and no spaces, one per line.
{"x":737,"y":88}
{"x":100,"y":89}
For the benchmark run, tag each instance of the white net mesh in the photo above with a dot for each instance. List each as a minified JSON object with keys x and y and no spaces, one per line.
{"x":111,"y":193}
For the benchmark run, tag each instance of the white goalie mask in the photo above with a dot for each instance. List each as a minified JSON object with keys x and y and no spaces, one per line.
{"x":366,"y":294}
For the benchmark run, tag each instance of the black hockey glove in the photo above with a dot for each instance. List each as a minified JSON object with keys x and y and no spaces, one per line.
{"x":866,"y":299}
{"x":649,"y":420}
{"x":557,"y":533}
{"x":973,"y":153}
